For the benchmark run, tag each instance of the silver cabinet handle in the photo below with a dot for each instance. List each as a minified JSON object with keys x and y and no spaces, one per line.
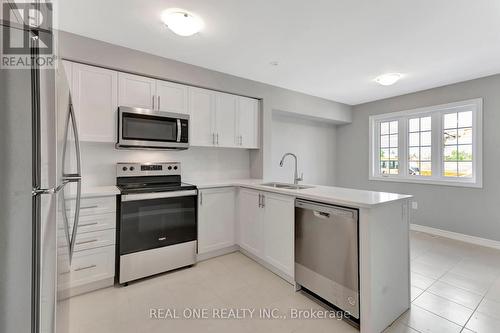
{"x":87,"y":241}
{"x":89,"y":207}
{"x":153,"y":102}
{"x":241,"y":140}
{"x":213,"y":138}
{"x":88,"y":224}
{"x":217,"y":138}
{"x":158,"y":102}
{"x":260,"y":200}
{"x":83,"y":268}
{"x":201,"y":198}
{"x":263,"y":201}
{"x":162,"y":238}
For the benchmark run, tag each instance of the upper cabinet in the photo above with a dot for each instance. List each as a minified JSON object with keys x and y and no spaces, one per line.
{"x":171,"y":97}
{"x":201,"y":116}
{"x":143,"y":92}
{"x":226,"y":107}
{"x":95,"y":101}
{"x":216,"y":119}
{"x":223,"y":120}
{"x":247,"y":123}
{"x":136,"y":91}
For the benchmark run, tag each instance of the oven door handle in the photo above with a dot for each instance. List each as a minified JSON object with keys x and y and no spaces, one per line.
{"x":158,"y":195}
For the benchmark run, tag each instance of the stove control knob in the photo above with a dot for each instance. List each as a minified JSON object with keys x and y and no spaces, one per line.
{"x":175,"y":167}
{"x":124,"y":168}
{"x":132,"y":168}
{"x":169,"y":167}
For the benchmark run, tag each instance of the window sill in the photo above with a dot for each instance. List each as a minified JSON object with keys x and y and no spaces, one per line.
{"x":423,"y":181}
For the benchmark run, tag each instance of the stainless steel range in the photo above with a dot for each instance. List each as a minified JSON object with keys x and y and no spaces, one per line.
{"x":157,"y":229}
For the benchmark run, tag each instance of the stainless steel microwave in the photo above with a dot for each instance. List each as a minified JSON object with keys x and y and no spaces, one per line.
{"x":148,"y":129}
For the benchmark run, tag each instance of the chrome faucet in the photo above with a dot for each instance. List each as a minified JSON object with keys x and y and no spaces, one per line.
{"x":296,"y":178}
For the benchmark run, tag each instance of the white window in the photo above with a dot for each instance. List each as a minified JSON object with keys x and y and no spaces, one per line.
{"x":435,"y":145}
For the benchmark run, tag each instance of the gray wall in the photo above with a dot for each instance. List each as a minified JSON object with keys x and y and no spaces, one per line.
{"x":94,"y":52}
{"x":463,"y":210}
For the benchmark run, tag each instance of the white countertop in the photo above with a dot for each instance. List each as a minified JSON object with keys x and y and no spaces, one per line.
{"x":326,"y":194}
{"x":99,"y":191}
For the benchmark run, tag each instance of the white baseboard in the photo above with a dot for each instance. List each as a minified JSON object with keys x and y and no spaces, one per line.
{"x":457,"y":236}
{"x":216,"y":253}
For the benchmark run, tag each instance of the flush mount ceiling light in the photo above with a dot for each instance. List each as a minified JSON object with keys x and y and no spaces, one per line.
{"x":388,"y":79}
{"x":182,"y":22}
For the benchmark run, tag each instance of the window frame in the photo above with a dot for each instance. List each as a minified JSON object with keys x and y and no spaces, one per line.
{"x":436,"y":113}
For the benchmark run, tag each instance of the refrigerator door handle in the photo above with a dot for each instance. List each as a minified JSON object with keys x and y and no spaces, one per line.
{"x":71,"y":178}
{"x":75,"y":178}
{"x":75,"y":220}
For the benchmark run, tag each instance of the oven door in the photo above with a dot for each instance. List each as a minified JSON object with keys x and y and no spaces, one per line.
{"x":153,"y":220}
{"x":142,"y":128}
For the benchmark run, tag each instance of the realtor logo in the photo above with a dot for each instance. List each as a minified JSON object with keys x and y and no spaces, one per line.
{"x":35,"y":18}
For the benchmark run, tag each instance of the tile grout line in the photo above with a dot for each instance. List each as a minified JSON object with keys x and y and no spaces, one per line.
{"x":425,"y":290}
{"x":483,"y":298}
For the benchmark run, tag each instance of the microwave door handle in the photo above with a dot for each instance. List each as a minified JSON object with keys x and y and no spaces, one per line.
{"x":179,"y":130}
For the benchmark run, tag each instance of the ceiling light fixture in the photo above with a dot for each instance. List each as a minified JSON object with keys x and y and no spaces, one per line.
{"x":388,"y":79}
{"x":182,"y":22}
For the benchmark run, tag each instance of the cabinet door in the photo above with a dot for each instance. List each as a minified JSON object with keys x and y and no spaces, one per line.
{"x":136,"y":91}
{"x":250,"y":222}
{"x":216,"y":219}
{"x":278,"y":225}
{"x":248,"y":123}
{"x":95,"y":100}
{"x":225,"y":119}
{"x":171,"y":97}
{"x":201,"y":111}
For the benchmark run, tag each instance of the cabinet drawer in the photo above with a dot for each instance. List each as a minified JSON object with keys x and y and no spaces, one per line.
{"x":88,"y":266}
{"x":92,"y":206}
{"x":94,"y":223}
{"x":90,"y":240}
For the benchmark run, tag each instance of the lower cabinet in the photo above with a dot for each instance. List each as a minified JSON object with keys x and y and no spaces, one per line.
{"x":216,"y":219}
{"x":279,"y":231}
{"x":89,"y":266}
{"x":250,"y":232}
{"x":266,"y":227}
{"x":93,"y":263}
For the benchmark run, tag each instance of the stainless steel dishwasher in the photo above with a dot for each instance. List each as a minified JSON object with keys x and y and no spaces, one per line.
{"x":326,"y":253}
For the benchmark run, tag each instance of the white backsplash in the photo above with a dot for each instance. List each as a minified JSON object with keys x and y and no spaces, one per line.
{"x":197,"y":163}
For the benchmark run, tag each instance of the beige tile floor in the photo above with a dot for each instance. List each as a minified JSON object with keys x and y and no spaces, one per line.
{"x":455,"y":288}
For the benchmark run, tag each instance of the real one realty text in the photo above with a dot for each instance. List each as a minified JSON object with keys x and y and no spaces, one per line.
{"x":244,"y":313}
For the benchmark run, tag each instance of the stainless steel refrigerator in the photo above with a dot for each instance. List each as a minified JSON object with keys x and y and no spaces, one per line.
{"x":40,"y":182}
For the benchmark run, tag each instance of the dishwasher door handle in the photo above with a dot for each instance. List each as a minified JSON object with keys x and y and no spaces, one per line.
{"x":321,"y":215}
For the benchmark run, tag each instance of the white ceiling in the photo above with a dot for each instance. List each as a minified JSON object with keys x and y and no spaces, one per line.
{"x":328,"y":48}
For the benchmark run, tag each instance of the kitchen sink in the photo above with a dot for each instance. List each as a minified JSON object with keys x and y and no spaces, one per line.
{"x":287,"y":186}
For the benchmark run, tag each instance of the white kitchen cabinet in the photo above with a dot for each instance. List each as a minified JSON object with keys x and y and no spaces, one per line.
{"x":247,"y":123}
{"x":216,"y":119}
{"x":144,"y":92}
{"x":278,"y":225}
{"x":171,"y":97}
{"x":226,"y":106}
{"x":201,"y":116}
{"x":216,"y":219}
{"x":95,"y":101}
{"x":93,"y":264}
{"x":266,"y":227}
{"x":136,"y":91}
{"x":250,"y":232}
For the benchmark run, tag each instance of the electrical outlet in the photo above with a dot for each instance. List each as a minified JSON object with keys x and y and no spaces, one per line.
{"x":414,"y":205}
